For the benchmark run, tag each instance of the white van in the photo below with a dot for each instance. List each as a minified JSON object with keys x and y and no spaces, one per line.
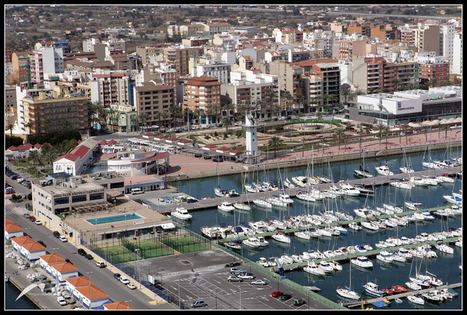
{"x":136,"y":191}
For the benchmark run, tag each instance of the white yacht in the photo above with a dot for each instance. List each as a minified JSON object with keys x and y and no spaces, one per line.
{"x":383,"y":170}
{"x":277,"y":202}
{"x":286,"y":198}
{"x":303,"y":235}
{"x":181,"y":213}
{"x":262,"y":203}
{"x":288,"y":184}
{"x":404,"y":184}
{"x":444,"y":248}
{"x":370,"y":225}
{"x":354,"y":226}
{"x":362,"y":173}
{"x":349,"y":190}
{"x":406,"y":170}
{"x":314,"y":269}
{"x":416,"y":299}
{"x":413,"y":286}
{"x":362,"y":261}
{"x":348,"y":293}
{"x":327,"y":267}
{"x":373,"y":289}
{"x":226,"y":207}
{"x":242,"y":206}
{"x":306,"y":197}
{"x":281,"y":237}
{"x":252,"y":242}
{"x":385,"y":257}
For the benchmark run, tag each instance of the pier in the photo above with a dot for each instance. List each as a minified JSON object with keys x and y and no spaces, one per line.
{"x":401,"y":295}
{"x":367,"y":182}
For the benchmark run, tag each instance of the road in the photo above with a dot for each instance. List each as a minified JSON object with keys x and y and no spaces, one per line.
{"x":103,"y":278}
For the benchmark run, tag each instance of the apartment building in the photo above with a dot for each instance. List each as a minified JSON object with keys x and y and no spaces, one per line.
{"x":210,"y":68}
{"x":249,"y":87}
{"x":59,"y":109}
{"x":425,"y":37}
{"x":447,"y":33}
{"x":180,"y":56}
{"x":217,"y":27}
{"x":19,"y":61}
{"x":434,"y":70}
{"x":154,"y":100}
{"x":191,"y":29}
{"x":374,"y":73}
{"x":110,"y":88}
{"x":201,"y":92}
{"x":352,"y":47}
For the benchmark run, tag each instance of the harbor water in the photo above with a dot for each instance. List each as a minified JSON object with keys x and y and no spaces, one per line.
{"x":11,"y":293}
{"x":384,"y":275}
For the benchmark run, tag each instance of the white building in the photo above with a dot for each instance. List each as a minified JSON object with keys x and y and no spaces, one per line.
{"x":447,"y":32}
{"x":92,"y":297}
{"x":457,"y":55}
{"x":12,"y":229}
{"x":28,"y":248}
{"x":52,"y":60}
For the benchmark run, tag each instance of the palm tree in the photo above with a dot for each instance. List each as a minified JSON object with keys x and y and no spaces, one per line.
{"x":143,"y":120}
{"x":28,"y":125}
{"x":339,"y":135}
{"x":10,"y":127}
{"x":275,"y":143}
{"x":226,"y":123}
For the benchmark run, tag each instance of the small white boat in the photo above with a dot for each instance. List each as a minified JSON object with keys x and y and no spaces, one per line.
{"x":355,"y":226}
{"x":406,"y":170}
{"x":303,"y":235}
{"x":241,"y":206}
{"x":226,"y":206}
{"x":362,"y":261}
{"x":336,"y":266}
{"x":314,"y":269}
{"x":403,"y":184}
{"x":413,"y":286}
{"x":347,"y":293}
{"x":383,"y":170}
{"x":252,"y":242}
{"x":327,"y":267}
{"x":412,"y":205}
{"x":262,"y":203}
{"x":385,"y":257}
{"x":370,"y":225}
{"x":416,"y":299}
{"x":362,"y":173}
{"x":219,"y":192}
{"x":444,"y":248}
{"x":457,"y":200}
{"x":373,"y":289}
{"x":281,"y":237}
{"x":277,"y":202}
{"x":288,"y":184}
{"x":181,"y":213}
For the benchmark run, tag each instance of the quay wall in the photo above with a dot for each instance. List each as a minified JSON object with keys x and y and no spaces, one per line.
{"x":318,"y":159}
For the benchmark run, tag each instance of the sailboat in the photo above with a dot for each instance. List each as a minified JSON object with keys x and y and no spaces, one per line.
{"x":429,"y":163}
{"x":362,"y":171}
{"x":407,"y":169}
{"x":347,"y":291}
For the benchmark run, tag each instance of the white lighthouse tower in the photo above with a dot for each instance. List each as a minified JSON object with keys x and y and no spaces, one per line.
{"x":252,"y":153}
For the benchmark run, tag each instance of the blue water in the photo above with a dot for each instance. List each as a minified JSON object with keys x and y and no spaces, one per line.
{"x":115,"y":218}
{"x":385,"y":276}
{"x":11,"y":293}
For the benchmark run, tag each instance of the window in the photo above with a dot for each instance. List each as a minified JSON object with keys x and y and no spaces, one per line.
{"x":78,"y":198}
{"x":60,"y":201}
{"x":96,"y":196}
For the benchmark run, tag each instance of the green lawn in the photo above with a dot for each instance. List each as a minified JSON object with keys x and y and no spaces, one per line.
{"x":117,"y":254}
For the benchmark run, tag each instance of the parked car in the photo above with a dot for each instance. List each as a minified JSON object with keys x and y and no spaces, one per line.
{"x":124,"y":280}
{"x":233,"y":264}
{"x":32,"y":218}
{"x":89,"y":257}
{"x":61,"y":300}
{"x":198,"y":303}
{"x":82,"y":252}
{"x":198,"y":155}
{"x":207,"y":157}
{"x":9,"y":191}
{"x":298,"y":302}
{"x":246,"y":276}
{"x":259,"y":282}
{"x":277,"y":293}
{"x":19,"y":179}
{"x":237,"y":270}
{"x":38,"y":222}
{"x":285,"y":297}
{"x":131,"y":286}
{"x":234,"y":279}
{"x":57,"y":235}
{"x":100,"y":264}
{"x":117,"y":276}
{"x":63,"y":238}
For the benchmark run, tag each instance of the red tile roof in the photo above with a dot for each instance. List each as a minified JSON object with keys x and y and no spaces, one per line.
{"x":80,"y":150}
{"x":63,"y":266}
{"x":11,"y":227}
{"x":92,"y":292}
{"x":52,"y":258}
{"x":79,"y":281}
{"x":118,"y":306}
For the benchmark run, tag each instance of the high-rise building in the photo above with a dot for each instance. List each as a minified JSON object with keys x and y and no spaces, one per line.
{"x":110,"y":88}
{"x":180,"y":56}
{"x":201,"y":93}
{"x":154,"y":101}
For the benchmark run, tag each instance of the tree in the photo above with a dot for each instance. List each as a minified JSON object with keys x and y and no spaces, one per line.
{"x":143,"y":120}
{"x":226,"y":123}
{"x":10,"y":127}
{"x":275,"y":143}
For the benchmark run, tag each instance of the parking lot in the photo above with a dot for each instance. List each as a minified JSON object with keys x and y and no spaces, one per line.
{"x":203,"y":275}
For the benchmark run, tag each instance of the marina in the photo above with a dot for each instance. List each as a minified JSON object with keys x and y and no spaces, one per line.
{"x":416,"y":202}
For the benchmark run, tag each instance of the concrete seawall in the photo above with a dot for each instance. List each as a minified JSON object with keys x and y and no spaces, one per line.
{"x":318,"y":159}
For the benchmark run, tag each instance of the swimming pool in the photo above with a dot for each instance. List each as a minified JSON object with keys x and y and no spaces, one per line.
{"x":115,"y":218}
